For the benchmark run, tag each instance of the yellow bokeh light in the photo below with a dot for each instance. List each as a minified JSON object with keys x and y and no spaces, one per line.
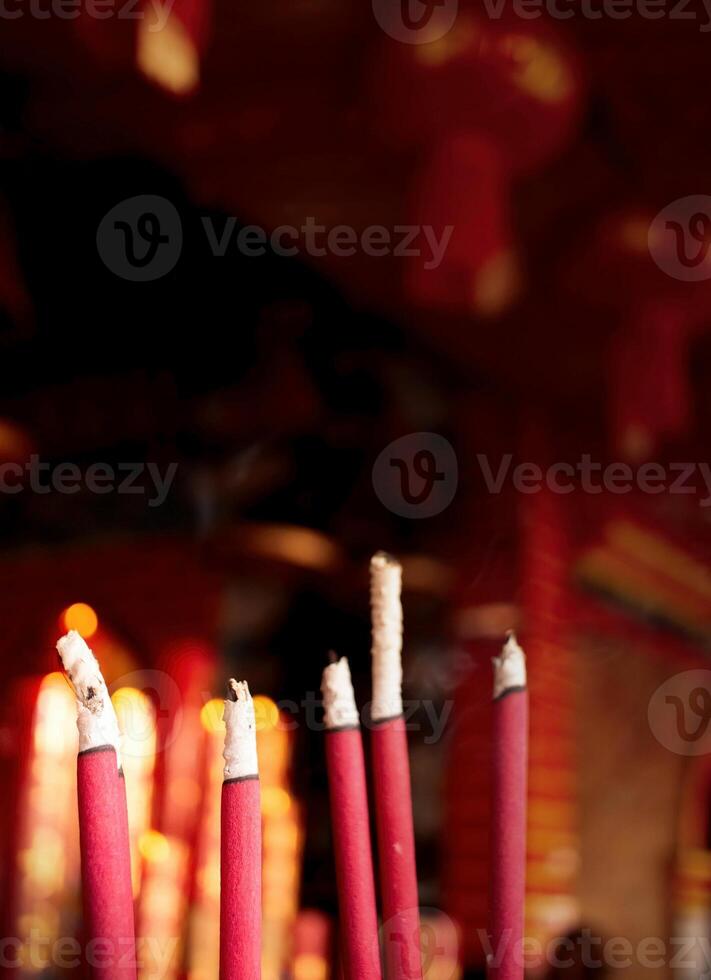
{"x":56,"y":708}
{"x":154,"y":846}
{"x":276,"y":802}
{"x":211,"y":716}
{"x":82,"y":618}
{"x":266,"y":713}
{"x":136,"y":718}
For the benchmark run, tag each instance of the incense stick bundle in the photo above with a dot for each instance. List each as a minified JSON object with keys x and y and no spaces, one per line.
{"x":508,"y":836}
{"x":351,"y":829}
{"x":103,"y":819}
{"x":241,"y":848}
{"x":391,"y":770}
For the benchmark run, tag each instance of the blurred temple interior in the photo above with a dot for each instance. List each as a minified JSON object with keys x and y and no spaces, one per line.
{"x":506,"y":385}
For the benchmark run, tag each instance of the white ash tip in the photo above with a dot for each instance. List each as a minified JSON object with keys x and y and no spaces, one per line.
{"x":240,"y":752}
{"x":72,"y":648}
{"x":340,"y":710}
{"x":238,"y":690}
{"x":386,"y":615}
{"x":509,"y":667}
{"x":96,"y":718}
{"x":382,"y":560}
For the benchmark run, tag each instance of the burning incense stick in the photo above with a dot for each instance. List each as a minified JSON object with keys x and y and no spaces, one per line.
{"x":508,"y":837}
{"x":103,"y":819}
{"x":351,"y":828}
{"x":391,"y":767}
{"x":241,"y":849}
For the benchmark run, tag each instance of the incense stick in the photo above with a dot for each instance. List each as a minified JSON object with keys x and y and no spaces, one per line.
{"x":241,"y":849}
{"x":391,"y":768}
{"x":508,"y":836}
{"x":351,"y":826}
{"x":103,"y":818}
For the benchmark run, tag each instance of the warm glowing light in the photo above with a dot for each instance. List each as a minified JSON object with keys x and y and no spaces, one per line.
{"x":46,"y":863}
{"x":276,"y":801}
{"x":154,"y":847}
{"x":14,"y":441}
{"x":211,"y":716}
{"x":82,"y":618}
{"x":299,"y":546}
{"x":136,"y":718}
{"x":55,"y":706}
{"x":266,"y":713}
{"x":450,"y":46}
{"x":496,"y":284}
{"x":537,"y":68}
{"x":137,"y":722}
{"x":167,"y":55}
{"x":635,"y":233}
{"x":309,"y":966}
{"x":203,"y":931}
{"x":161,"y":913}
{"x":184,"y":791}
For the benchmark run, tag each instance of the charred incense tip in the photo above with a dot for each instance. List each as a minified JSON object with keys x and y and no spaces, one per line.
{"x":240,"y":752}
{"x":339,"y":705}
{"x":509,"y":667}
{"x":386,"y":615}
{"x":96,"y":718}
{"x":332,"y":657}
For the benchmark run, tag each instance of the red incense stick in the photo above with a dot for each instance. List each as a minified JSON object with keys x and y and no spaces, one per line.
{"x":508,"y":836}
{"x":241,"y":849}
{"x":351,"y":829}
{"x":391,"y":771}
{"x":103,"y":821}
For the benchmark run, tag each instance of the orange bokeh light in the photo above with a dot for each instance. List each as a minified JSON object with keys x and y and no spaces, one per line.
{"x":82,"y":618}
